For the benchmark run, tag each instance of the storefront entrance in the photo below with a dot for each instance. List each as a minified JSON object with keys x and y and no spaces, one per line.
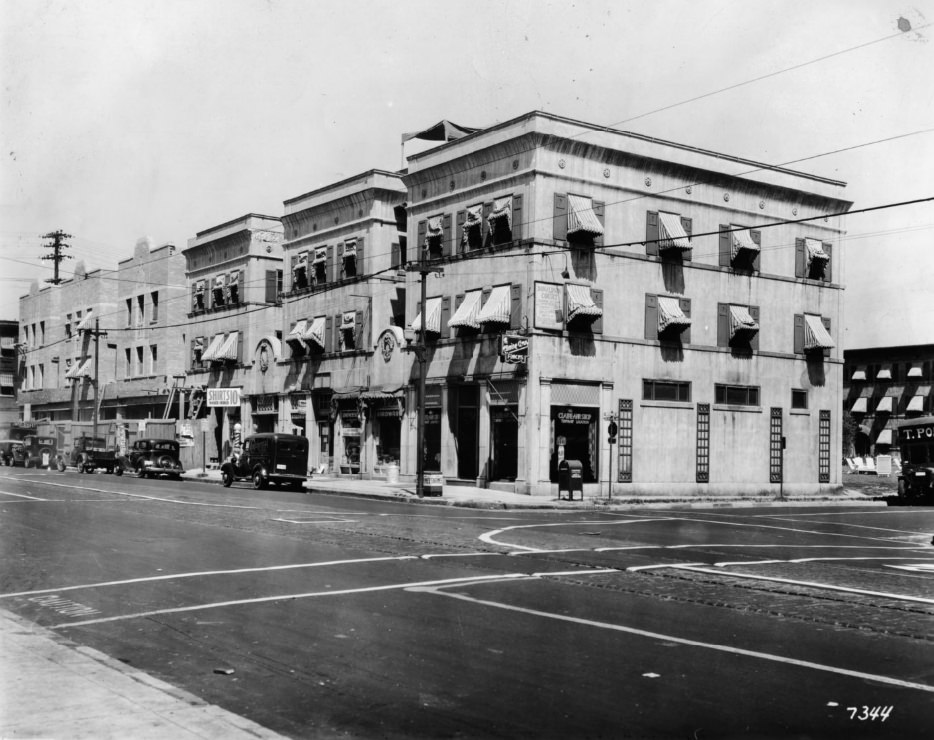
{"x":574,"y":436}
{"x":465,"y":435}
{"x":504,"y":450}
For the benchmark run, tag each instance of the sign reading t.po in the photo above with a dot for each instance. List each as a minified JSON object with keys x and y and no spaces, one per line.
{"x":223,"y":397}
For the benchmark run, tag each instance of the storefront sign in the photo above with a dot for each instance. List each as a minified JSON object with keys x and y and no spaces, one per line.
{"x":549,"y":306}
{"x":914,"y":433}
{"x":299,"y":404}
{"x":575,"y":417}
{"x":388,"y":410}
{"x":514,"y":349}
{"x":223,"y":397}
{"x":433,"y":396}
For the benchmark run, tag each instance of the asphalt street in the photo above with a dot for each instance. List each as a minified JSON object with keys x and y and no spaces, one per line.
{"x":324,"y":616}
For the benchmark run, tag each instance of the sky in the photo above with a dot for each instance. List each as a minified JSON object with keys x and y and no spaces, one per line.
{"x":123,"y":119}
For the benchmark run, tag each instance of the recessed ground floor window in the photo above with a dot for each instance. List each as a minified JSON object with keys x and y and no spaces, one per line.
{"x":575,"y":436}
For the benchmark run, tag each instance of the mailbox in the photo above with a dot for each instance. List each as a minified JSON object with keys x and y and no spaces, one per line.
{"x":571,"y":478}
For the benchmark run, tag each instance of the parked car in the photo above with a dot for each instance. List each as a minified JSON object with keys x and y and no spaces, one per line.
{"x":89,"y":453}
{"x":269,"y":458}
{"x":150,"y":458}
{"x":11,"y":451}
{"x":40,"y":452}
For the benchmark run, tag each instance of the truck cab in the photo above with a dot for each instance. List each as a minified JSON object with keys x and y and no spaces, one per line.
{"x":916,"y":445}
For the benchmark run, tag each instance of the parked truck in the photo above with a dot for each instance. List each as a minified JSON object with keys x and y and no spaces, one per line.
{"x":916,"y":445}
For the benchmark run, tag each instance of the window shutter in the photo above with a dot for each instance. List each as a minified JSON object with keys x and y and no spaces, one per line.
{"x":723,"y":324}
{"x":799,"y":334}
{"x":651,"y":234}
{"x":596,"y":295}
{"x":599,"y":210}
{"x":757,"y":238}
{"x":329,"y":334}
{"x":339,"y":257}
{"x":293,"y":284}
{"x":422,"y":236}
{"x":686,"y":310}
{"x":486,"y":237}
{"x":560,"y":218}
{"x":517,"y":218}
{"x":239,"y":347}
{"x":459,"y":231}
{"x":330,"y":265}
{"x":725,"y":245}
{"x":458,"y":300}
{"x":801,"y":262}
{"x":484,"y":297}
{"x":359,"y":260}
{"x":395,"y":255}
{"x":651,"y":316}
{"x":447,"y":241}
{"x":445,"y":316}
{"x":826,"y":322}
{"x":828,"y":248}
{"x":754,"y":342}
{"x":688,"y":225}
{"x":515,"y":311}
{"x":360,"y":334}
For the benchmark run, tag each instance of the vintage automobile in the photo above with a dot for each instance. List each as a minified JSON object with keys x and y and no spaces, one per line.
{"x":40,"y":452}
{"x":269,"y":458}
{"x":916,"y":446}
{"x":151,"y":458}
{"x":11,"y":451}
{"x":90,"y":453}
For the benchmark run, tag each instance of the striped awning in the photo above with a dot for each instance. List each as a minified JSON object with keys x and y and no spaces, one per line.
{"x":211,"y":352}
{"x":432,"y":317}
{"x":815,"y":252}
{"x":349,"y":321}
{"x":916,"y":404}
{"x":350,"y":248}
{"x":816,"y":335}
{"x":885,"y":373}
{"x":671,"y":234}
{"x":315,"y":332}
{"x":84,"y":369}
{"x":199,"y":287}
{"x":581,"y":217}
{"x":670,"y":315}
{"x":73,"y":368}
{"x":321,"y":255}
{"x":220,"y":281}
{"x":435,"y":231}
{"x":885,"y":405}
{"x":859,"y":406}
{"x":474,"y":216}
{"x":497,"y":308}
{"x":885,"y":437}
{"x":85,"y":323}
{"x":502,"y":209}
{"x":228,"y":350}
{"x":466,"y":314}
{"x":297,"y":335}
{"x":580,"y":303}
{"x":915,"y":371}
{"x":7,"y":342}
{"x":741,"y":240}
{"x":742,"y":324}
{"x":859,"y":374}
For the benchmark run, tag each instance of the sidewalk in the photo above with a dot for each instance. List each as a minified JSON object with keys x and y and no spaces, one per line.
{"x":52,"y":688}
{"x":488,"y":498}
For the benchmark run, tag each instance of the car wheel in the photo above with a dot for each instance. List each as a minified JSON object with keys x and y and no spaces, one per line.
{"x":61,"y":465}
{"x":227,"y":478}
{"x":80,"y":466}
{"x":259,"y":480}
{"x":140,"y":472}
{"x":27,"y":463}
{"x":902,"y":489}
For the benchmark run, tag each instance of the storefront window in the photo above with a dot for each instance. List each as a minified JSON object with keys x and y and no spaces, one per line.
{"x":388,"y":430}
{"x":575,"y":436}
{"x":433,"y":439}
{"x":505,"y":443}
{"x":351,"y":434}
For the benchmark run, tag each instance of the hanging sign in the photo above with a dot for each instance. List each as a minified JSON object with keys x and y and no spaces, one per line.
{"x":514,"y":349}
{"x":223,"y":397}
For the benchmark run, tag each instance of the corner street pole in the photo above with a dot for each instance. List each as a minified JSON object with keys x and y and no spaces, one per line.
{"x":97,"y":363}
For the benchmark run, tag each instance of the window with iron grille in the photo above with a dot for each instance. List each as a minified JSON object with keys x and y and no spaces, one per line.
{"x":703,"y":443}
{"x":823,"y":463}
{"x":625,"y":441}
{"x":775,"y":446}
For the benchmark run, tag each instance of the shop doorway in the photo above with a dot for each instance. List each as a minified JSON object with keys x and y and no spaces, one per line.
{"x":466,"y":432}
{"x":504,"y":450}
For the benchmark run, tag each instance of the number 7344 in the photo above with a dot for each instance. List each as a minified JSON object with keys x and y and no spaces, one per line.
{"x":870,"y":713}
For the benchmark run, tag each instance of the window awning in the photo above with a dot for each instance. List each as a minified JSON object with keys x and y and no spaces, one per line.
{"x":84,"y":369}
{"x":581,"y":217}
{"x":297,"y":335}
{"x":435,"y":231}
{"x":432,"y":317}
{"x":859,"y":374}
{"x":220,"y":281}
{"x":497,"y":309}
{"x":315,"y":331}
{"x":670,"y":315}
{"x":234,"y":279}
{"x":885,"y":373}
{"x":349,"y":321}
{"x":859,"y":406}
{"x":321,"y":255}
{"x":73,"y":368}
{"x":580,"y":303}
{"x":350,"y":248}
{"x":7,"y":342}
{"x":466,"y":314}
{"x":885,"y":405}
{"x":502,"y":209}
{"x":742,"y":324}
{"x":199,"y":344}
{"x":199,"y":287}
{"x":915,"y":371}
{"x":228,"y":350}
{"x":815,"y":252}
{"x":885,"y":437}
{"x":742,"y":240}
{"x":816,"y":335}
{"x":85,"y":323}
{"x":474,"y":216}
{"x":211,"y":352}
{"x":916,"y":404}
{"x":671,"y":234}
{"x":301,"y":264}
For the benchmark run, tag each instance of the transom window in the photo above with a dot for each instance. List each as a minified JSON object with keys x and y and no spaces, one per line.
{"x":736,"y":395}
{"x":666,"y":390}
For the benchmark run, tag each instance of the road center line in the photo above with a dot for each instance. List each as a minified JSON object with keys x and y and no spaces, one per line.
{"x":21,"y":495}
{"x":684,"y":641}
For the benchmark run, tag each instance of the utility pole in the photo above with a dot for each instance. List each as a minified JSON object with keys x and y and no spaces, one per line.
{"x":420,"y":351}
{"x":96,"y":383}
{"x":57,"y":255}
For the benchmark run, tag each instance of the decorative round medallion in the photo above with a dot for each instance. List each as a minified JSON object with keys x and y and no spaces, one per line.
{"x":648,"y":182}
{"x":452,"y":185}
{"x":606,"y":171}
{"x":562,"y":164}
{"x":482,"y":175}
{"x":314,"y":227}
{"x":794,"y":211}
{"x":689,"y":190}
{"x":387,"y":345}
{"x":515,"y":164}
{"x":268,"y":248}
{"x":761,"y":204}
{"x":360,"y":213}
{"x":336,"y":220}
{"x":726,"y":197}
{"x":424,"y":193}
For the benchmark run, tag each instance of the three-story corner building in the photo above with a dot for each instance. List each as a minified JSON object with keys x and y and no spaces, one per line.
{"x":232,"y":338}
{"x":9,"y":336}
{"x":344,"y":307}
{"x":686,"y":295}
